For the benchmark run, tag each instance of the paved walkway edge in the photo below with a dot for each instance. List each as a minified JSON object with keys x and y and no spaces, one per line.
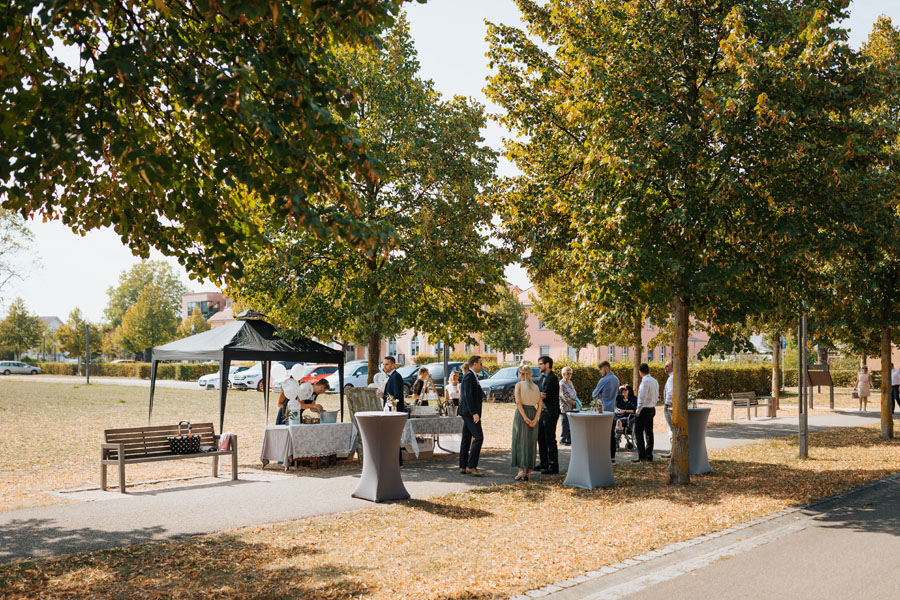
{"x":640,"y":572}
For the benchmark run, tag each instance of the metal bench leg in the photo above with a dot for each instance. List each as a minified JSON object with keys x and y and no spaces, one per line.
{"x":732,"y":411}
{"x":748,"y":411}
{"x":122,"y":472}
{"x":215,"y":466}
{"x":103,"y":476}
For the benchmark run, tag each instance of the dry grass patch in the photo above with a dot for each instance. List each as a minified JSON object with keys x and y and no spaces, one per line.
{"x":487,"y":543}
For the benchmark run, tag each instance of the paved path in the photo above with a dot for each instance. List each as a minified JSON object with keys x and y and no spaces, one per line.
{"x":270,"y":496}
{"x":126,"y":381}
{"x":844,"y":547}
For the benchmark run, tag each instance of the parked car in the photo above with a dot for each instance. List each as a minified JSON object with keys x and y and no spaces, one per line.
{"x":500,"y":386}
{"x":14,"y":367}
{"x":252,"y":378}
{"x":436,"y":369}
{"x":121,"y":361}
{"x":317,"y":372}
{"x":211,"y":381}
{"x":355,"y":375}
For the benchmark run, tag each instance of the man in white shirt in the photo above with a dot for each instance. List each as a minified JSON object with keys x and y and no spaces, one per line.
{"x":667,"y":400}
{"x":895,"y":385}
{"x":648,"y":397}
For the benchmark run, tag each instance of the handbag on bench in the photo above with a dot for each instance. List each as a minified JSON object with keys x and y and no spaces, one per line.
{"x":184,"y":444}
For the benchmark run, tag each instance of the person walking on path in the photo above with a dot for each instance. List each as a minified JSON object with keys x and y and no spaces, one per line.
{"x":525,"y":422}
{"x":547,"y":447}
{"x":606,"y":391}
{"x":667,"y":403}
{"x":567,"y":396}
{"x":895,"y":385}
{"x":648,"y":397}
{"x":863,"y":385}
{"x":470,"y":398}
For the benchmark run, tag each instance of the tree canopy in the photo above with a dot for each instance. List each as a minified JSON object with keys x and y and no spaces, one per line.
{"x":71,"y":336}
{"x":439,"y":269}
{"x":20,"y":330}
{"x":193,"y":325}
{"x":151,"y":273}
{"x":183,"y":125}
{"x":15,"y":244}
{"x":506,"y":325}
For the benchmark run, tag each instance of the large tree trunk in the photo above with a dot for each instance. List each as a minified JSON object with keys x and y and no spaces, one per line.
{"x":680,"y":463}
{"x":887,"y":400}
{"x":823,"y":354}
{"x":776,"y":374}
{"x":636,"y":348}
{"x":374,"y":354}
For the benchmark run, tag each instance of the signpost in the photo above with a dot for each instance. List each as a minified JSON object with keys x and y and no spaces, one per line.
{"x":802,"y":376}
{"x":819,"y":375}
{"x":87,"y":352}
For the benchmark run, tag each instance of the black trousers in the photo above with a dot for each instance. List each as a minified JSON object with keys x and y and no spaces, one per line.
{"x":643,"y":429}
{"x":547,"y":448}
{"x":895,"y":394}
{"x":613,"y":446}
{"x":470,"y":445}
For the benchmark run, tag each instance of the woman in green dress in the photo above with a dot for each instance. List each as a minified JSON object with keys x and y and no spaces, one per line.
{"x":525,"y":433}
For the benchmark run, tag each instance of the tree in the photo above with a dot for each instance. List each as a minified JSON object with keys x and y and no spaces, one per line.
{"x":193,"y":325}
{"x":438,"y":269}
{"x":20,"y":329}
{"x":507,"y":325}
{"x":15,"y":241}
{"x":559,"y":310}
{"x":150,"y":273}
{"x":668,"y":144}
{"x":148,"y":322}
{"x":70,"y":336}
{"x":183,"y":124}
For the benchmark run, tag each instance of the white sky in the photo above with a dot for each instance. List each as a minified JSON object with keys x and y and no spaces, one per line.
{"x":76,"y":271}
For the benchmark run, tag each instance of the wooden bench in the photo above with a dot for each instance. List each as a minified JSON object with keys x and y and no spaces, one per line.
{"x":149,"y":444}
{"x":749,"y":399}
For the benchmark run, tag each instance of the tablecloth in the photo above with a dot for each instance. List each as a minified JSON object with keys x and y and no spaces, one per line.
{"x":429,"y":426}
{"x":284,"y":442}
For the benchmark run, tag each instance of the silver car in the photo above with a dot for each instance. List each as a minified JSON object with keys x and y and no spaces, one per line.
{"x":14,"y":367}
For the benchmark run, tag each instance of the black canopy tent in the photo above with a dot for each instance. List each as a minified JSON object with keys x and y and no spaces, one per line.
{"x":245,"y":339}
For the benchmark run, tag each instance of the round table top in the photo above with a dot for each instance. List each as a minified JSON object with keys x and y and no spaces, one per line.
{"x":381,"y":413}
{"x":699,"y":409}
{"x":589,"y":414}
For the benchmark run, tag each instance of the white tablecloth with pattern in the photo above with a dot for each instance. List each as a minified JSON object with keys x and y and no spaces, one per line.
{"x":429,"y":426}
{"x":284,"y":442}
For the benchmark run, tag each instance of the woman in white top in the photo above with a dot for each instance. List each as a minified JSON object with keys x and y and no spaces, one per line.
{"x":567,"y":395}
{"x":451,"y":391}
{"x":525,"y":432}
{"x":863,"y":385}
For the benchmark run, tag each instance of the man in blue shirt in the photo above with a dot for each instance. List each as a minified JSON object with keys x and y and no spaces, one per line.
{"x":606,"y":391}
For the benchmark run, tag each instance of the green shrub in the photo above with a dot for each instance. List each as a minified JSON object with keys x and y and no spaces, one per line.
{"x":424,"y":359}
{"x":177,"y":371}
{"x":58,"y":368}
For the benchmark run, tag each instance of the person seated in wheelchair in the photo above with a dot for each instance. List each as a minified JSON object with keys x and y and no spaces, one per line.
{"x":626,"y":404}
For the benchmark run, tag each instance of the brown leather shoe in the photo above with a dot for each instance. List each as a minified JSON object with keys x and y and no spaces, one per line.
{"x":462,"y":471}
{"x":474,"y":472}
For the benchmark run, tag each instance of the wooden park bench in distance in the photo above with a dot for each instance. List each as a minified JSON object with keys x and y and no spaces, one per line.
{"x":133,"y":445}
{"x":749,"y":399}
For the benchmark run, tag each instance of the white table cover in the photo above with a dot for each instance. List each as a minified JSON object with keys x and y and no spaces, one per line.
{"x":429,"y":426}
{"x":283,"y":442}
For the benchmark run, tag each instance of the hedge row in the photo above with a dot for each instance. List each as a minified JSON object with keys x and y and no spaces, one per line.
{"x":177,"y":371}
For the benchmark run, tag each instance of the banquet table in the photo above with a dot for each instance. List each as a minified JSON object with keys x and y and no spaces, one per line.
{"x":435,"y":426}
{"x":285,"y":442}
{"x":381,"y":479}
{"x":590,"y":465}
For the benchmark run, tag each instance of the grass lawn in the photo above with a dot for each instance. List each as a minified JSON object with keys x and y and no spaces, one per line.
{"x":486,"y":543}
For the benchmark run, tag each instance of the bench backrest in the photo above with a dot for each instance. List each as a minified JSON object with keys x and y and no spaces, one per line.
{"x":151,"y":441}
{"x":749,"y":396}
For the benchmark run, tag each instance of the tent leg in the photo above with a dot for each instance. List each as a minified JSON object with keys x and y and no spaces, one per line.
{"x":267,"y":378}
{"x":152,"y":388}
{"x":224,"y":365}
{"x":341,"y":385}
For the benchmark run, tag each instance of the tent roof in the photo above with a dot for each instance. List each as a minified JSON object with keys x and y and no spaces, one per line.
{"x":246,"y":340}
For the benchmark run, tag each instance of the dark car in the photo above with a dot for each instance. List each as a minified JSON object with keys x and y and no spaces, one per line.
{"x":500,"y":386}
{"x":436,"y":369}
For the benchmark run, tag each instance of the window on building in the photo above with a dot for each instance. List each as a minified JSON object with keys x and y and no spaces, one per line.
{"x":542,"y":325}
{"x":392,"y":347}
{"x":573,"y":354}
{"x":439,"y":349}
{"x":611,"y":352}
{"x":662,"y":353}
{"x":649,"y":354}
{"x":414,"y":346}
{"x":488,"y":350}
{"x":649,"y":324}
{"x":468,"y":349}
{"x":544,"y":350}
{"x":624,"y":352}
{"x":518,"y":357}
{"x":207,"y":309}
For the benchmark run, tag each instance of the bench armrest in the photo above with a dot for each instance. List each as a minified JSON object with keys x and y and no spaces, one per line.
{"x":106,"y":447}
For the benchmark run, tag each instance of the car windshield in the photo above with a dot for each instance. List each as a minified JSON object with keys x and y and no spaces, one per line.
{"x":506,"y":373}
{"x":407,"y":370}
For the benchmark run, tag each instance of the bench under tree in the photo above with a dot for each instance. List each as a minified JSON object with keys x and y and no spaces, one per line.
{"x":134,"y":445}
{"x":749,"y":400}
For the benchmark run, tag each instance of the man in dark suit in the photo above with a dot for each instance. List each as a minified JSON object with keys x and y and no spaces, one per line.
{"x":393,"y":387}
{"x":547,"y":448}
{"x":470,"y":398}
